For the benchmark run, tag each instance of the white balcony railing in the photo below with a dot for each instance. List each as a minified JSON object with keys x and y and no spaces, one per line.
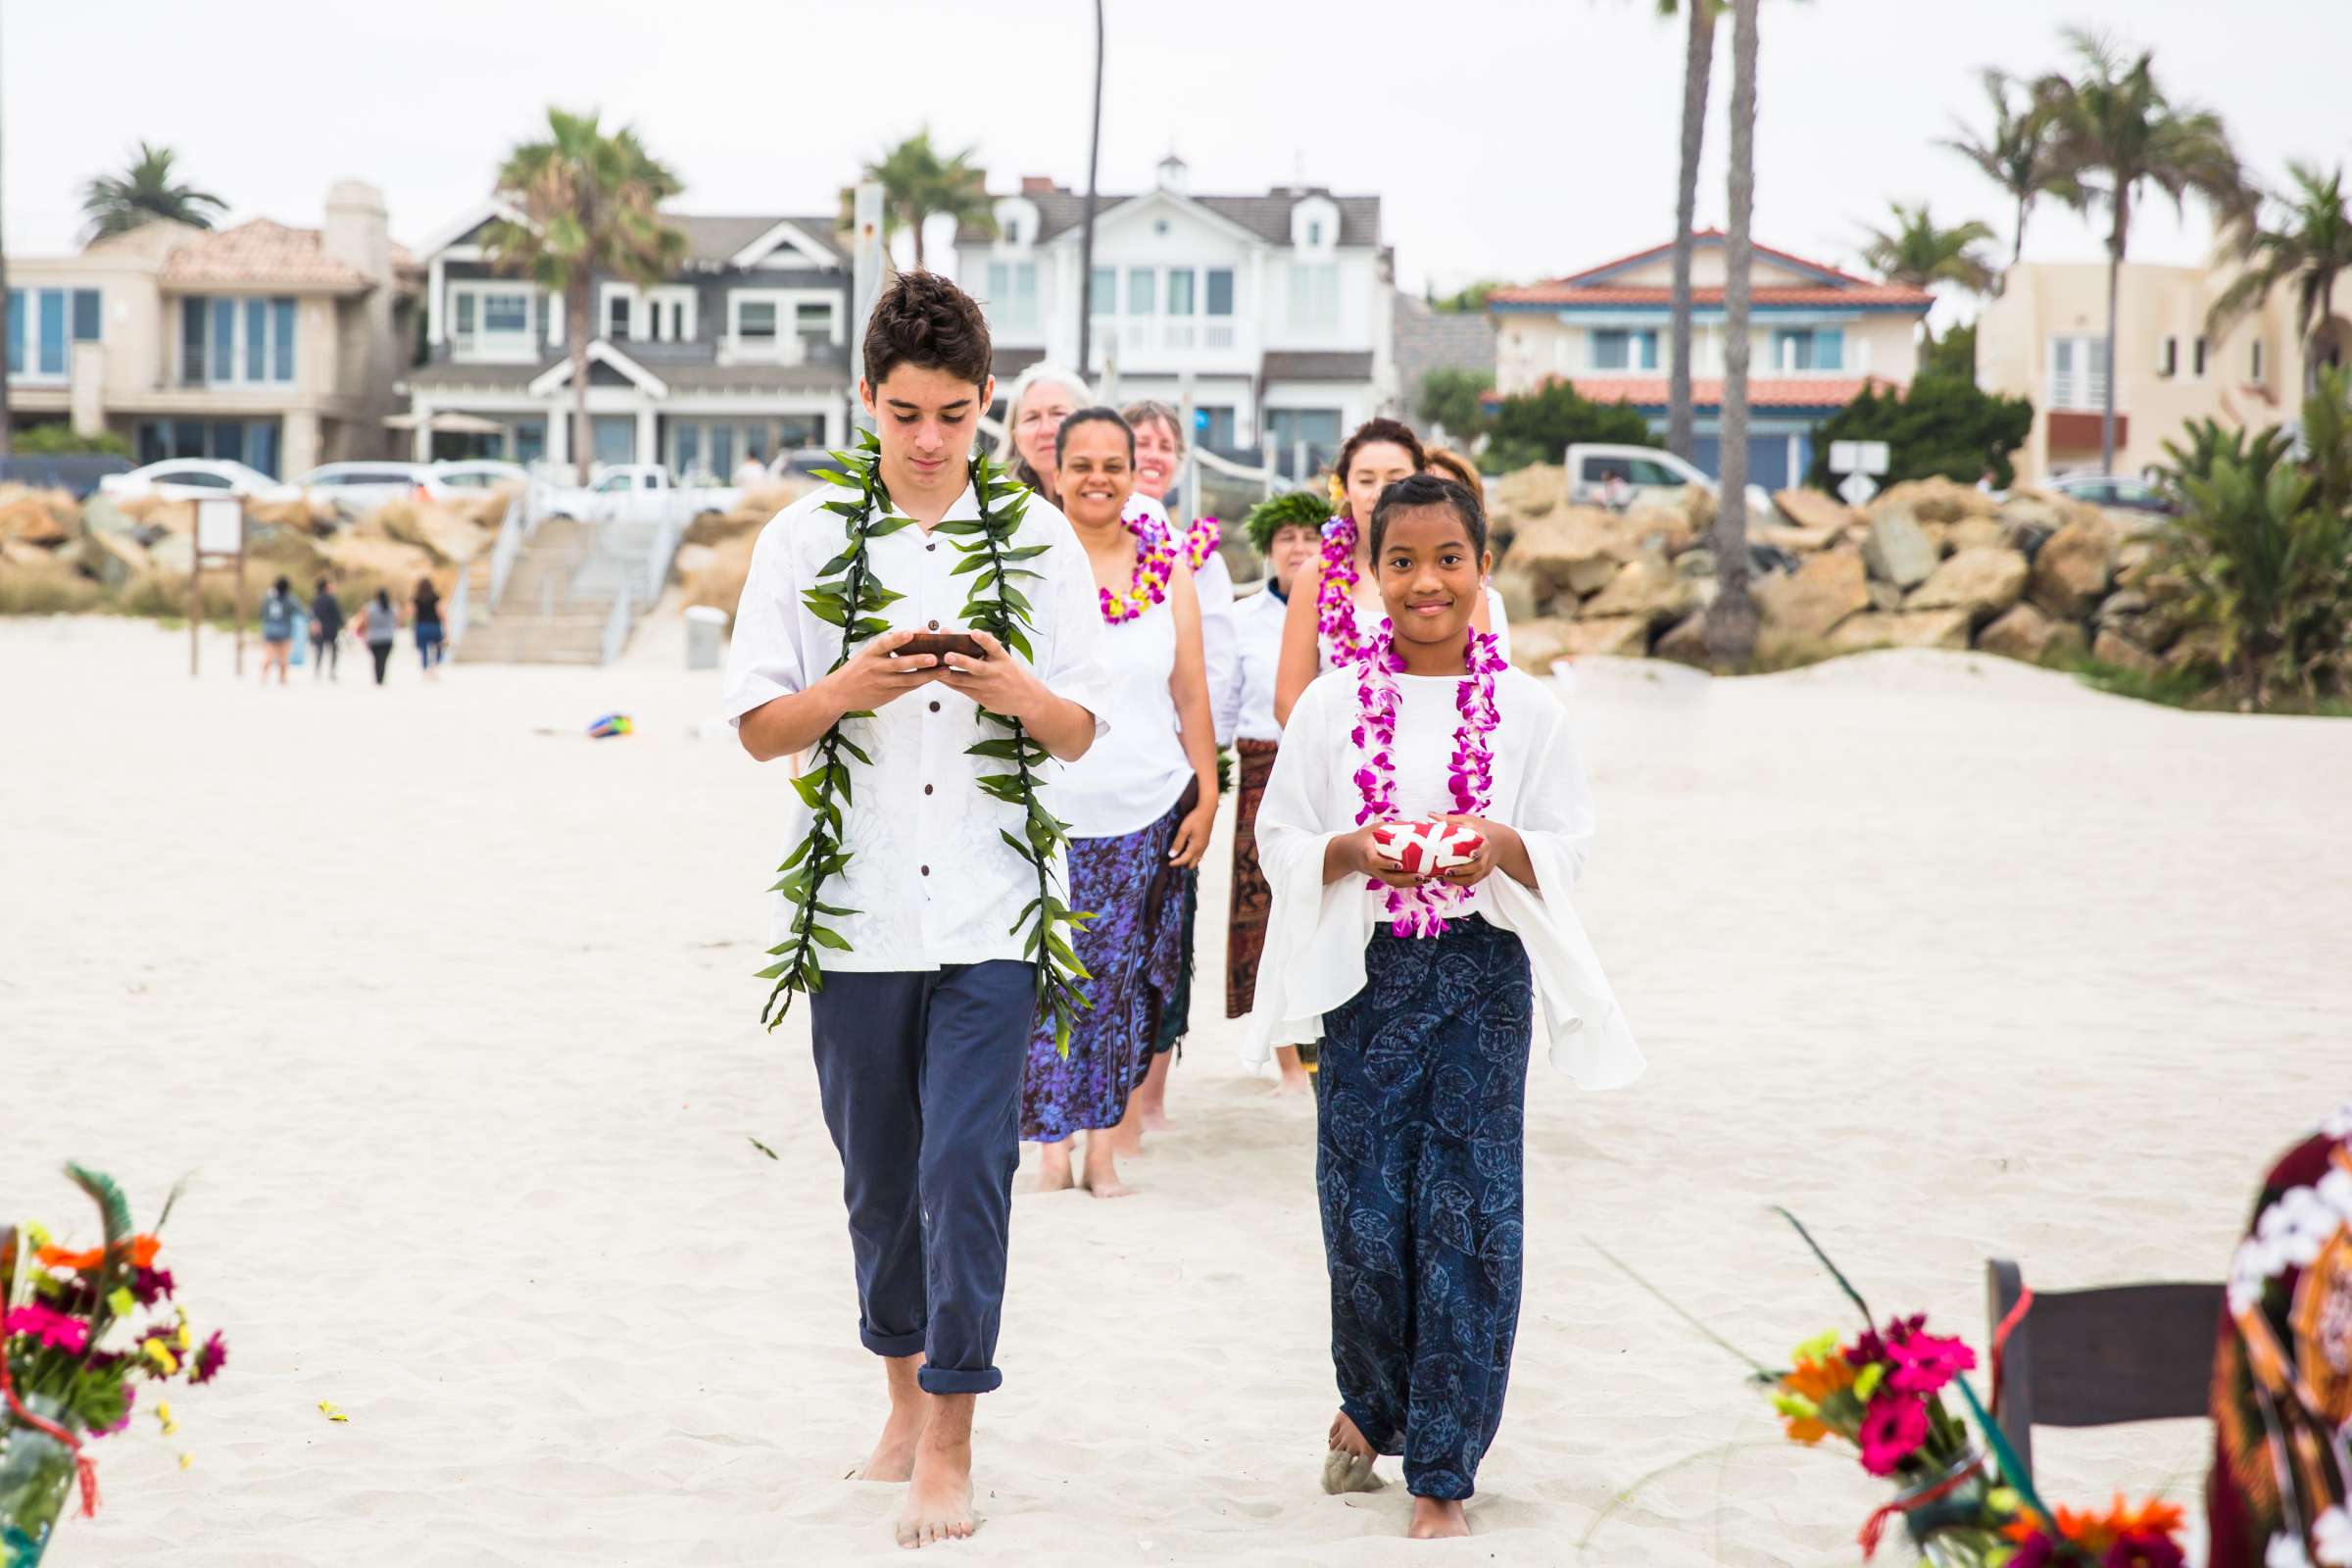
{"x":2078,"y":391}
{"x":1178,"y":335}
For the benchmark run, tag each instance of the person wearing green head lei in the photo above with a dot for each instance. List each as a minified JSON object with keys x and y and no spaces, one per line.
{"x":1287,"y":530}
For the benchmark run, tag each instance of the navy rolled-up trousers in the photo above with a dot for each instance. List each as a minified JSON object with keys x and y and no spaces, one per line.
{"x":921,"y":1075}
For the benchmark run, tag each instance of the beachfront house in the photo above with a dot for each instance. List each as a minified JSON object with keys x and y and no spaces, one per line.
{"x":1274,"y":311}
{"x":2045,"y":338}
{"x":263,"y":344}
{"x":1816,"y":335}
{"x":744,"y":349}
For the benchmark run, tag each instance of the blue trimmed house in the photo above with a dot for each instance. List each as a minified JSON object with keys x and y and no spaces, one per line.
{"x":1818,"y":337}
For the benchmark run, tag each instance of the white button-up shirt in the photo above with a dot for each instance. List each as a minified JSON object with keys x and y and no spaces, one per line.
{"x":1258,"y":650}
{"x":931,"y":879}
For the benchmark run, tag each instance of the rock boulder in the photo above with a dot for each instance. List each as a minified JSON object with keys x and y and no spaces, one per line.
{"x":1647,"y":589}
{"x":1897,"y":549}
{"x":1982,"y":582}
{"x":2072,"y":570}
{"x":1929,"y":628}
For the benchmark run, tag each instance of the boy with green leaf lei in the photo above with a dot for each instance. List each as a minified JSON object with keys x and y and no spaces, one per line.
{"x":920,"y":907}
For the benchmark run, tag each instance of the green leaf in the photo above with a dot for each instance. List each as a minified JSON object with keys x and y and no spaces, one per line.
{"x":887,"y":526}
{"x":773,"y":971}
{"x":796,"y":858}
{"x":851,"y":509}
{"x":840,"y":562}
{"x":830,"y":611}
{"x":830,"y":938}
{"x":852,"y":748}
{"x":810,"y":789}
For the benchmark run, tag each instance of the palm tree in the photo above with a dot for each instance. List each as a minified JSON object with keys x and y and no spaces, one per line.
{"x":1698,"y":61}
{"x":2015,"y":154}
{"x":1917,"y":253}
{"x":1731,"y":625}
{"x":917,"y":183}
{"x":2308,"y":249}
{"x":590,"y":202}
{"x":2114,"y":129}
{"x":116,"y":205}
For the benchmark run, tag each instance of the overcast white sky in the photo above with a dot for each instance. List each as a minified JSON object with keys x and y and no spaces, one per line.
{"x":1509,"y":138}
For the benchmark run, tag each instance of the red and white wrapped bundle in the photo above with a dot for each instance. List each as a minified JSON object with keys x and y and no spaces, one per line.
{"x":1427,"y":847}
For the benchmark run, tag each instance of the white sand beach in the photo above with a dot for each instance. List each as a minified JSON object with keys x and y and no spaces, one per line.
{"x":454,"y":1024}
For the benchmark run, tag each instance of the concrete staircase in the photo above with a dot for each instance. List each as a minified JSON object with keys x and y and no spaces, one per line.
{"x":553,"y":612}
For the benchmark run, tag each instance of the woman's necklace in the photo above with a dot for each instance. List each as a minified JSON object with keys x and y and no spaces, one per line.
{"x":1469,"y":771}
{"x":1335,"y":597}
{"x":1155,"y":567}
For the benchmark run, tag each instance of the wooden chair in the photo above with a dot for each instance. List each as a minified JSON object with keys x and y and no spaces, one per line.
{"x":2100,"y":1358}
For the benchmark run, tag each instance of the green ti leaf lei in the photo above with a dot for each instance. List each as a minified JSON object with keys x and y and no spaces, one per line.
{"x":847,"y":595}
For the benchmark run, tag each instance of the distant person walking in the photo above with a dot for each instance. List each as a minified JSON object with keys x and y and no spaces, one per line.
{"x":326,"y":634}
{"x":379,"y":624}
{"x":280,"y":610}
{"x":431,"y":645}
{"x":751,"y":472}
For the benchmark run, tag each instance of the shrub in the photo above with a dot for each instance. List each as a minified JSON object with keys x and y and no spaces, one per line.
{"x":1540,"y":426}
{"x":56,"y":440}
{"x":1943,"y":426}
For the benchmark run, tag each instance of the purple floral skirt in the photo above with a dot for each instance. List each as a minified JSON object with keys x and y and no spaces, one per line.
{"x":1133,"y":950}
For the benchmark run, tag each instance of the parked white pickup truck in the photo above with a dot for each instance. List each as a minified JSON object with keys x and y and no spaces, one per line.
{"x":1599,"y":475}
{"x":643,"y":493}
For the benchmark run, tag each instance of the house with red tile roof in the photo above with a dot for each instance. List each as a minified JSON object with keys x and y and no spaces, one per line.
{"x":264,"y":343}
{"x":1818,"y":335}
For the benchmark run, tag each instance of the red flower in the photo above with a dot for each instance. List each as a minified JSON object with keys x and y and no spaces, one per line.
{"x":1892,"y":1429}
{"x":211,"y":1356}
{"x":2036,"y":1550}
{"x":2143,"y":1548}
{"x":1925,"y":1362}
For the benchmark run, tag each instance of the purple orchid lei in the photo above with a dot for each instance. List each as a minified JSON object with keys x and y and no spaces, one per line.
{"x":1155,"y":567}
{"x":1469,"y":771}
{"x":1200,"y":541}
{"x":1334,"y":598}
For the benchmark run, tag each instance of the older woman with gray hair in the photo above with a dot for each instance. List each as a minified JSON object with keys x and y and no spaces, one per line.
{"x":1042,"y":398}
{"x":1160,"y":454}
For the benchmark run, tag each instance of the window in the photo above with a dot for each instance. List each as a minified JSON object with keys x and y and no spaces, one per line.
{"x":617,"y":304}
{"x":812,"y":322}
{"x":1220,"y":292}
{"x":1808,"y":348}
{"x":51,"y":318}
{"x":505,"y":313}
{"x":493,"y":321}
{"x":1314,"y":232}
{"x":2197,"y":359}
{"x":1180,"y":286}
{"x":236,"y":342}
{"x":1143,"y":291}
{"x":2078,"y":372}
{"x":255,"y":442}
{"x":2167,"y":357}
{"x":755,"y":321}
{"x":1213,"y":425}
{"x":38,"y":340}
{"x":1625,"y":349}
{"x":1103,"y":292}
{"x":1315,"y":295}
{"x":85,"y":315}
{"x":1012,"y":294}
{"x":1318,"y":429}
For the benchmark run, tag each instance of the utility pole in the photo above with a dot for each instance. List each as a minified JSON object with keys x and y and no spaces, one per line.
{"x":865,"y":287}
{"x":1086,"y":240}
{"x":7,"y":417}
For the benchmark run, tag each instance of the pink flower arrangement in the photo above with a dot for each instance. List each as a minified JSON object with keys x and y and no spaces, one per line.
{"x":1200,"y":541}
{"x":1335,"y":597}
{"x":48,"y":1328}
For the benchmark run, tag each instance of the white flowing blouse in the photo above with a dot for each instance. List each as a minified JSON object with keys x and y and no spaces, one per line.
{"x":1133,"y":776}
{"x":1256,"y":658}
{"x":1317,"y":932}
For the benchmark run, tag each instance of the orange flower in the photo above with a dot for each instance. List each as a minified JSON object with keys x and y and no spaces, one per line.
{"x":142,"y":1255}
{"x":1808,"y":1385}
{"x":2095,"y":1532}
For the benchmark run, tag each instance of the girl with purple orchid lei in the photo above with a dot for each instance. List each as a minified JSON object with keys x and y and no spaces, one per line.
{"x":1470,"y":771}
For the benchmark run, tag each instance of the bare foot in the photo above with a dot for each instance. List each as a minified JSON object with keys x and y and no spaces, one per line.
{"x":1295,"y":1081}
{"x":1101,"y":1165}
{"x":893,"y":1459}
{"x":1437,"y":1519}
{"x":938,"y":1496}
{"x":1348,"y":1463}
{"x":1053,"y":1168}
{"x":1152,"y":1094}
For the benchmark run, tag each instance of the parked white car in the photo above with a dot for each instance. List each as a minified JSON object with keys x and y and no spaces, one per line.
{"x":1638,"y":472}
{"x":193,"y":479}
{"x":473,"y":475}
{"x":355,"y":489}
{"x":644,"y":493}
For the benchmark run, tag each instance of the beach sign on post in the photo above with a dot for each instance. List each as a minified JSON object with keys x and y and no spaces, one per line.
{"x":1859,"y":461}
{"x":221,"y":539}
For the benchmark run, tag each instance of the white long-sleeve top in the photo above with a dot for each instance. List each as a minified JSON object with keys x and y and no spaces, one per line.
{"x":1256,"y":656}
{"x":1317,"y":931}
{"x":1220,"y":642}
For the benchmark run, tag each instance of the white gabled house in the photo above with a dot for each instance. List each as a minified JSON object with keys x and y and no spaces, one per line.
{"x":1279,"y":306}
{"x":742,"y":348}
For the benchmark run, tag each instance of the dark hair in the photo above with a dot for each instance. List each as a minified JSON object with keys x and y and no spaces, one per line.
{"x":924,"y":320}
{"x":323,"y":585}
{"x":383,"y":596}
{"x":281,"y":586}
{"x":1418,"y":490}
{"x":1392,"y":431}
{"x":1061,"y":437}
{"x":1452,"y":466}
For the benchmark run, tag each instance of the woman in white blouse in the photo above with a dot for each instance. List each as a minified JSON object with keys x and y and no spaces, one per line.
{"x":1139,"y":805}
{"x":1427,"y":987}
{"x":1286,"y":530}
{"x":1159,"y":451}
